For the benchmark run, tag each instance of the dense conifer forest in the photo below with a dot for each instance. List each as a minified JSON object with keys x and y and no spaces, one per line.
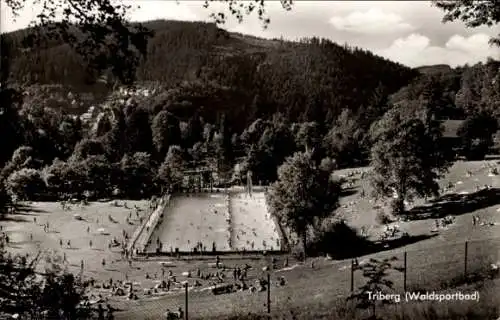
{"x":217,"y":95}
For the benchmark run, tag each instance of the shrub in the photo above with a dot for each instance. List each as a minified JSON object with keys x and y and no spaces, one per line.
{"x":328,"y":165}
{"x":383,"y":218}
{"x":297,"y":251}
{"x":376,"y":273}
{"x":25,"y":184}
{"x":397,"y":207}
{"x":339,"y":240}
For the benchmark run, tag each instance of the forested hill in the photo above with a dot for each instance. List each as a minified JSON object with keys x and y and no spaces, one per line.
{"x":212,"y":97}
{"x":434,"y":69}
{"x":310,"y":79}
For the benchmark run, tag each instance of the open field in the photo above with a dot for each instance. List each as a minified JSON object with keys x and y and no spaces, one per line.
{"x":94,"y":226}
{"x":433,"y":257}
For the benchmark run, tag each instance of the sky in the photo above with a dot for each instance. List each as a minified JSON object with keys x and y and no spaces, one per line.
{"x":409,"y":32}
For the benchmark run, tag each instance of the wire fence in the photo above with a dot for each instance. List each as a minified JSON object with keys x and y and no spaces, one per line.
{"x":436,"y":268}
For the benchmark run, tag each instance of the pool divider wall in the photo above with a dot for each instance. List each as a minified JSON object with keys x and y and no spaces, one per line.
{"x":137,"y":233}
{"x":141,"y":233}
{"x":229,"y":219}
{"x":198,"y":255}
{"x":154,"y":219}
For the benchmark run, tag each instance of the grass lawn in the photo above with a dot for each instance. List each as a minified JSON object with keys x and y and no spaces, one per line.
{"x":437,"y":258}
{"x":432,"y":257}
{"x":94,"y":226}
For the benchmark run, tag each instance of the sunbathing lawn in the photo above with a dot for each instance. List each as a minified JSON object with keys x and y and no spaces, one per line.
{"x":64,"y":226}
{"x":430,"y":261}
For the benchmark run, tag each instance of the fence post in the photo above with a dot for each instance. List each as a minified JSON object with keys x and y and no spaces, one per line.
{"x":405,"y":268}
{"x":269,"y":293}
{"x":186,"y":302}
{"x":352,"y":275}
{"x":465,"y":257}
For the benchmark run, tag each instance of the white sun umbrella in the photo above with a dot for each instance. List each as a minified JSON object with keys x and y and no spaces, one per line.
{"x":77,"y":216}
{"x":95,"y":301}
{"x":101,"y":230}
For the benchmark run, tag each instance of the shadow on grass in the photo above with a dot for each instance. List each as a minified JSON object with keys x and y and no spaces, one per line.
{"x":478,"y":278}
{"x":24,"y":209}
{"x":348,"y":192}
{"x":13,"y":246}
{"x":398,"y":243}
{"x":341,"y":241}
{"x":374,"y":247}
{"x":10,"y":218}
{"x":456,"y":204}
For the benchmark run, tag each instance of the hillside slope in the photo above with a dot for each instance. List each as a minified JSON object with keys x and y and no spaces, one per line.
{"x":312,"y":78}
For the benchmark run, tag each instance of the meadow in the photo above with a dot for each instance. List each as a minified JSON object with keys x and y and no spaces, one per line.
{"x":80,"y":232}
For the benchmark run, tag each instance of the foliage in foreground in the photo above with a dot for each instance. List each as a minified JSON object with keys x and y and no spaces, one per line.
{"x":376,"y":273}
{"x":473,"y":13}
{"x":24,"y":290}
